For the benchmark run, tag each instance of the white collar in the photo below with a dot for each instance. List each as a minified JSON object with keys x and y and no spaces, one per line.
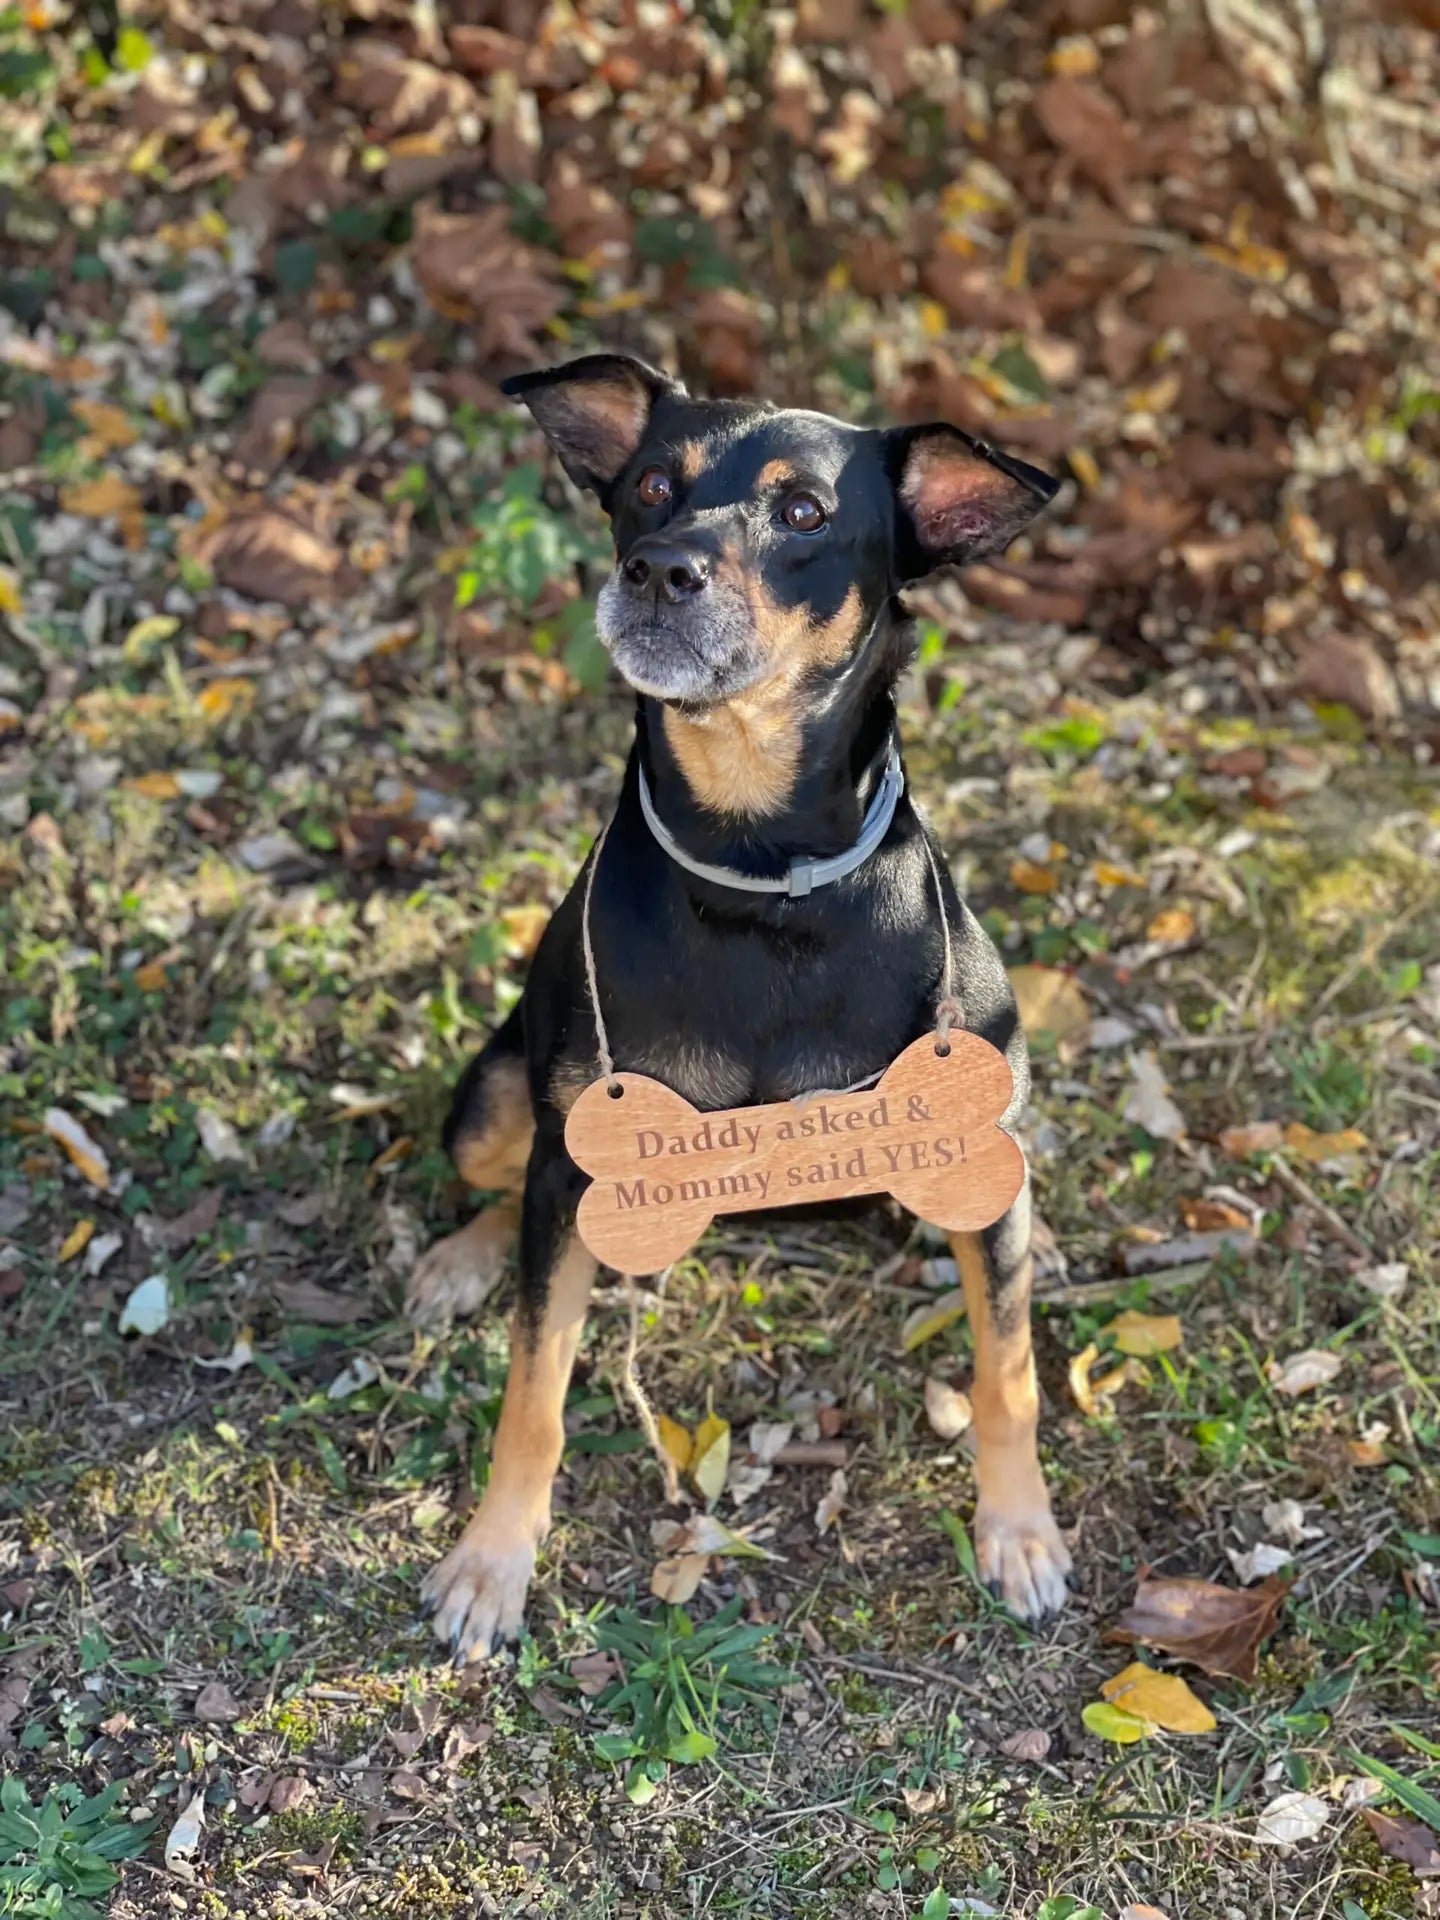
{"x":804,"y":875}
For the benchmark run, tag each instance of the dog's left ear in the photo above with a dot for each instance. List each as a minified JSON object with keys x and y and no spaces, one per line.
{"x":957,"y":499}
{"x":594,"y":412}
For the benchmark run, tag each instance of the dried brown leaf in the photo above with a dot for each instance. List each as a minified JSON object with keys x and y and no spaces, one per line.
{"x":1404,"y":1840}
{"x":307,"y":1301}
{"x":1348,"y":671}
{"x":400,"y":95}
{"x":1085,"y":123}
{"x":216,"y":1705}
{"x":1218,"y":1629}
{"x":269,"y":556}
{"x":473,"y":269}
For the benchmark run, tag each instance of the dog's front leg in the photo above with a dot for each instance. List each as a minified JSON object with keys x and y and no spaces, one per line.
{"x":478,"y":1589}
{"x":1018,"y":1547}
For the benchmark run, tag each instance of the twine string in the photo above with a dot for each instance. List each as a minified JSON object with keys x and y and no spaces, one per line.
{"x":602,"y":1038}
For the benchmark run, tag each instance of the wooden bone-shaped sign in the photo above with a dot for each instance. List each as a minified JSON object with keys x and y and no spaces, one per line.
{"x":660,"y":1170}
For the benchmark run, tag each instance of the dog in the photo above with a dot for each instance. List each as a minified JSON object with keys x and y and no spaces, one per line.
{"x":753,"y":609}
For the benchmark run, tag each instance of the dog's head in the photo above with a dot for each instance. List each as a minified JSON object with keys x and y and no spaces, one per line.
{"x":753,"y":542}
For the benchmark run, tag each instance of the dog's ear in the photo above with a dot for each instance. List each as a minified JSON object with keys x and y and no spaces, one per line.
{"x":956,"y":498}
{"x":594,"y":412}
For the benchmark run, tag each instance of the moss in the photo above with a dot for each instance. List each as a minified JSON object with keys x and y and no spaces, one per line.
{"x":95,"y":1495}
{"x":297,"y":1722}
{"x":1384,"y":1887}
{"x":307,"y":1829}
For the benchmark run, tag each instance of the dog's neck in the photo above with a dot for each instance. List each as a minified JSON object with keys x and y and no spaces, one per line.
{"x":780,"y":773}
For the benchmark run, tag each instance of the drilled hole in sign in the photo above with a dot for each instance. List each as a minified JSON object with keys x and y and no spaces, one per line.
{"x":616,"y":1092}
{"x":942,"y":1047}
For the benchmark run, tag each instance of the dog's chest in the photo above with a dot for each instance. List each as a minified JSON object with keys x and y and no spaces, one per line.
{"x":710,"y":1077}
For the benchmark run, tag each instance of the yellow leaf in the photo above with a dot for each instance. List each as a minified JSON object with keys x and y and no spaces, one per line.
{"x":222,"y":697}
{"x":85,"y":1153}
{"x":1085,"y":469}
{"x":152,"y":977}
{"x":1256,"y":261}
{"x":710,"y":1461}
{"x":1308,"y":1145}
{"x":933,"y":318}
{"x":95,"y":499}
{"x":1145,"y":1333}
{"x":930,"y":1318}
{"x":1079,"y":1376}
{"x":1030,"y":878}
{"x":1092,"y":1395}
{"x":676,"y":1441}
{"x":396,"y":1151}
{"x":1076,"y":55}
{"x":1049,"y":1002}
{"x":1175,"y":924}
{"x":1113,"y":1723}
{"x":1107,"y":875}
{"x":10,"y":601}
{"x":110,"y":426}
{"x":148,"y":152}
{"x":523,"y":927}
{"x":1159,"y":397}
{"x":78,"y":1238}
{"x":1017,"y":259}
{"x":154,"y":786}
{"x":108,"y":496}
{"x":1161,"y":1697}
{"x":148,"y":633}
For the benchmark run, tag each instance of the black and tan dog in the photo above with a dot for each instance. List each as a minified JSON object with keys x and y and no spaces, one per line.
{"x":752,"y":608}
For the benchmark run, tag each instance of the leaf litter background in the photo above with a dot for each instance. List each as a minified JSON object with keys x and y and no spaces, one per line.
{"x":303,"y":730}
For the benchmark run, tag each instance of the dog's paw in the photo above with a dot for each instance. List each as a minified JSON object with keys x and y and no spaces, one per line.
{"x":459,"y":1273}
{"x":1022,"y":1559}
{"x":477,"y":1594}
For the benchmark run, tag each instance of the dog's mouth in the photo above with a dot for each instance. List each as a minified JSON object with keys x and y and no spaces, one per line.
{"x":692,"y":654}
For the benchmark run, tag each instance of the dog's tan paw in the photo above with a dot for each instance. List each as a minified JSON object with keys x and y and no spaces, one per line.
{"x":459,"y":1273}
{"x":1022,"y":1559}
{"x":477,"y":1593}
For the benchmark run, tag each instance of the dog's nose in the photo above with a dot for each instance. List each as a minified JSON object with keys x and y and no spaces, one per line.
{"x":666,"y":570}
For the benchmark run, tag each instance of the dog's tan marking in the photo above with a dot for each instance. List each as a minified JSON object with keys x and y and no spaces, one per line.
{"x":1017,"y":1544}
{"x":479,"y":1588}
{"x":742,"y":758}
{"x":690,"y":461}
{"x":495,"y":1155}
{"x":777,"y":473}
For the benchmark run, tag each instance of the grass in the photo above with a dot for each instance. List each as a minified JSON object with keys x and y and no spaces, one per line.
{"x":175,"y":1524}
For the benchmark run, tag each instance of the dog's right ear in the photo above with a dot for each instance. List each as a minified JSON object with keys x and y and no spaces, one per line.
{"x":594,"y":412}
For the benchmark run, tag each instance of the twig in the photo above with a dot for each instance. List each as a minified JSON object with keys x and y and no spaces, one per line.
{"x":645,"y":1413}
{"x":1288,"y":1177}
{"x":811,"y":1453}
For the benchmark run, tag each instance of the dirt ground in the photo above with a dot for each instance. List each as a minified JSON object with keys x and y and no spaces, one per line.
{"x":304,"y":730}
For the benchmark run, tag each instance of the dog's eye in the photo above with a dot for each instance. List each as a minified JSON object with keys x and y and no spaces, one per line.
{"x":654,"y":488}
{"x":803,"y":514}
